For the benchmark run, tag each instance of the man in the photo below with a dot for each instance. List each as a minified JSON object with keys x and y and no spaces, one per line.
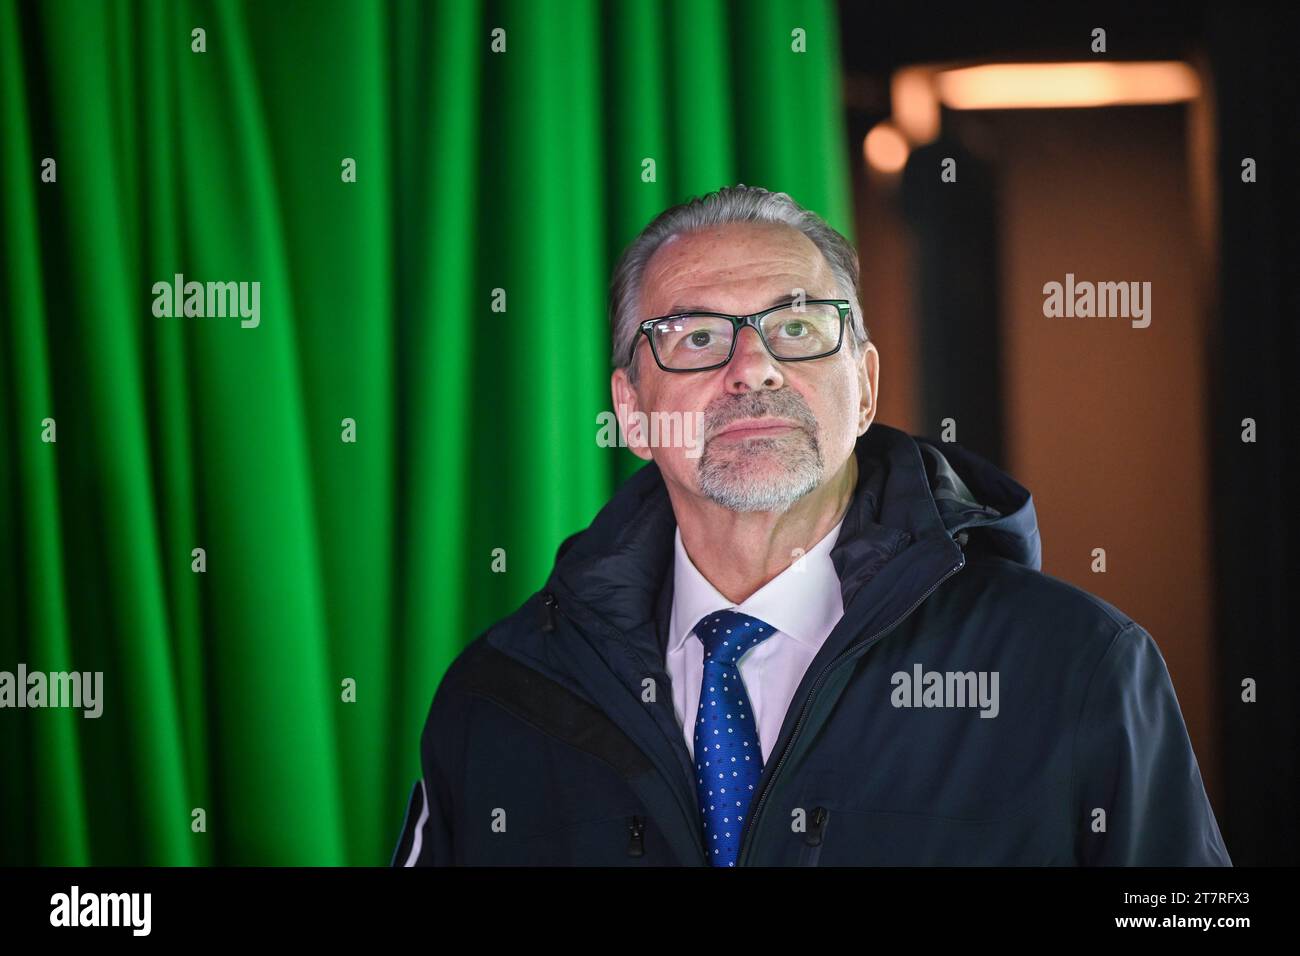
{"x":812,"y":641}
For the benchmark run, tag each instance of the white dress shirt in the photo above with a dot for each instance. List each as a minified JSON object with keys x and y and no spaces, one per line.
{"x":802,"y":603}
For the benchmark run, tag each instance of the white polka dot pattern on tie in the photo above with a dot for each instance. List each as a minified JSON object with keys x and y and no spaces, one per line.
{"x":731,"y":761}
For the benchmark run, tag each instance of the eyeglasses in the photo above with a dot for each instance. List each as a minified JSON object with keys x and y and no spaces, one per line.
{"x":791,"y":332}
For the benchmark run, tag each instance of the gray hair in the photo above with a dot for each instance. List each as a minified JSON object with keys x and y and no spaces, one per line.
{"x":739,"y":203}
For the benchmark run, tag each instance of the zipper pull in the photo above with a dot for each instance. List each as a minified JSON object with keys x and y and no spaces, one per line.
{"x":636,"y":846}
{"x":814,"y":835}
{"x":548,"y":611}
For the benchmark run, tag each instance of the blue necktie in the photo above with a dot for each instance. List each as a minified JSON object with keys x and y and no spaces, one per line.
{"x":728,"y":756}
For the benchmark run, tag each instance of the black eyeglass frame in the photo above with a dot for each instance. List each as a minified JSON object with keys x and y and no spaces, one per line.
{"x":738,"y":322}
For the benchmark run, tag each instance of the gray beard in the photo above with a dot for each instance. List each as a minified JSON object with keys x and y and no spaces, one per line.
{"x":733,"y":482}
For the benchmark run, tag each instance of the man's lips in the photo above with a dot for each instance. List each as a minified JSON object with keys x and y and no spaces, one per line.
{"x":757,"y":428}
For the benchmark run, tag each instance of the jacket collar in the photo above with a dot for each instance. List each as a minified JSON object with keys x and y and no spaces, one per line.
{"x":620,"y":569}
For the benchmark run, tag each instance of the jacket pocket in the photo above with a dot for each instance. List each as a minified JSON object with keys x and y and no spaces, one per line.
{"x":624,"y":839}
{"x":1037,"y":837}
{"x":814,"y":836}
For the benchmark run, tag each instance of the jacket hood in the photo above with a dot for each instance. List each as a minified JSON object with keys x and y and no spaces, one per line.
{"x":981,"y":502}
{"x":910,"y":491}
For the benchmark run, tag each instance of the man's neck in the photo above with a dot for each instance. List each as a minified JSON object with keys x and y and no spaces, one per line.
{"x":739,"y":552}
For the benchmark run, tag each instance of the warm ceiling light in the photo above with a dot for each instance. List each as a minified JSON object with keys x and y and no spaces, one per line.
{"x":1004,"y":86}
{"x":885,"y":148}
{"x":916,"y":107}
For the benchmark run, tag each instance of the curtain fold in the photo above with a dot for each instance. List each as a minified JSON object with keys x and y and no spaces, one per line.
{"x":35,"y":606}
{"x":446,"y":310}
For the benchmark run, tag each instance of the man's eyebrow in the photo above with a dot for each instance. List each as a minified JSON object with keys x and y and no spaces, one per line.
{"x":678,"y":309}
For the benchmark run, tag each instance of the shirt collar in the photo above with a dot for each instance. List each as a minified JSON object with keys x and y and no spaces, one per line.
{"x":803,"y":601}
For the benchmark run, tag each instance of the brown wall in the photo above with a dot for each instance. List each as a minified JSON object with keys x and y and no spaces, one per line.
{"x":1106,"y":422}
{"x":886,"y":259}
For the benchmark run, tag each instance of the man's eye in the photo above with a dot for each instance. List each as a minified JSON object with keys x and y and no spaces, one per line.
{"x":793,"y":329}
{"x":698,"y":339}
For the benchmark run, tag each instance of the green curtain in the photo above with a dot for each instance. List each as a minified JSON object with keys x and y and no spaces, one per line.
{"x":475,"y":429}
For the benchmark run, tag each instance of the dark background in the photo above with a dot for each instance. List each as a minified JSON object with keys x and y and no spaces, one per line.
{"x":1128,"y":439}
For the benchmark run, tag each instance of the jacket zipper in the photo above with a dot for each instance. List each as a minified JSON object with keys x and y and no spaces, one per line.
{"x":636,"y":845}
{"x":761,"y":797}
{"x":548,"y":611}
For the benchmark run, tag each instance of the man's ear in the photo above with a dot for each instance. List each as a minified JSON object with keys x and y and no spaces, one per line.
{"x":631,"y":419}
{"x":868,"y":368}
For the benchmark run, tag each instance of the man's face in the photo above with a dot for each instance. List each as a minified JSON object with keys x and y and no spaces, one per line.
{"x":773,"y":431}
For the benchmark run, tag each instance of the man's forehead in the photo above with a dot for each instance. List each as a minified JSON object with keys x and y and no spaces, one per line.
{"x":757,"y":264}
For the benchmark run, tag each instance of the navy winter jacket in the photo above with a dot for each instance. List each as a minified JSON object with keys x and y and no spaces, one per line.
{"x":552,"y":737}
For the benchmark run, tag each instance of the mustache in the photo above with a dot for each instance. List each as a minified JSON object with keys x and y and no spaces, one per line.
{"x":784,"y":403}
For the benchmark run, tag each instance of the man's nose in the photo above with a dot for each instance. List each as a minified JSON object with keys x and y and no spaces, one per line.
{"x":752,"y":367}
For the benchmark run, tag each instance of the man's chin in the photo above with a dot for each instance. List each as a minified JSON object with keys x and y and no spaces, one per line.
{"x":758,"y":483}
{"x":777,"y":495}
{"x":755,"y":465}
{"x":759,"y":473}
{"x":755,"y":458}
